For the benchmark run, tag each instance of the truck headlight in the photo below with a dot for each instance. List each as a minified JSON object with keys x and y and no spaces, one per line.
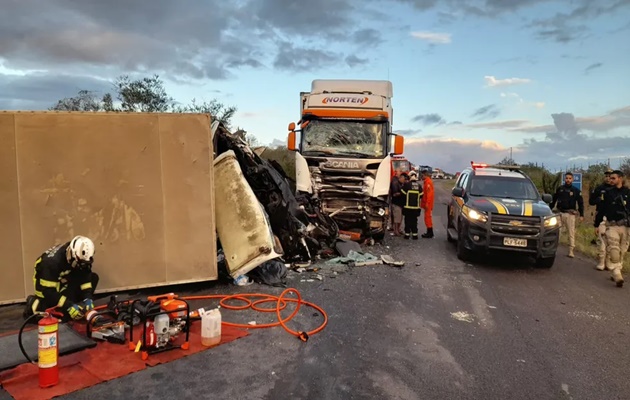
{"x":551,"y":221}
{"x":474,"y":215}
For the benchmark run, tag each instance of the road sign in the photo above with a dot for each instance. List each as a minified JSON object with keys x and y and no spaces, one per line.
{"x":577,"y":180}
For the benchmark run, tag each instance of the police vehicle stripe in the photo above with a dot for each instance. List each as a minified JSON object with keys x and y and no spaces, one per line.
{"x":501,"y":209}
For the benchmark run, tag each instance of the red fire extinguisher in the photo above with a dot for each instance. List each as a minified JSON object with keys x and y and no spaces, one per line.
{"x":47,"y":348}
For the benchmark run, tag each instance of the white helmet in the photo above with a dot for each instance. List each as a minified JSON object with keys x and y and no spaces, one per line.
{"x":81,"y":250}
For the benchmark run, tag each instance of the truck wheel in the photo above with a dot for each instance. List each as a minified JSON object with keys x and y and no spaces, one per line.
{"x":545,"y":262}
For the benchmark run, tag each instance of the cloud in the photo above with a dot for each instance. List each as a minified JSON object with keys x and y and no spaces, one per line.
{"x":452,"y":155}
{"x":433,"y":37}
{"x":353,"y":61}
{"x":210,"y":40}
{"x":592,"y":67}
{"x":489,"y":111}
{"x":289,"y":59}
{"x":408,"y":132}
{"x":492,"y":81}
{"x":429,"y":119}
{"x":502,"y":125}
{"x":39,"y":91}
{"x":565,"y":27}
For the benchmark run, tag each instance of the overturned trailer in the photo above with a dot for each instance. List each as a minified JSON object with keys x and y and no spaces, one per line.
{"x":304,"y":232}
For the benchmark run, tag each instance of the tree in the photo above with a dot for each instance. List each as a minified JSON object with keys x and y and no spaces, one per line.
{"x":625,"y":167}
{"x":219,"y":111}
{"x":142,"y":95}
{"x":85,"y":100}
{"x":507,"y":161}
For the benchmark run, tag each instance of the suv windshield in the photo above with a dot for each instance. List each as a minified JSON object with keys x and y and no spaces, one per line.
{"x":507,"y":188}
{"x":348,"y":138}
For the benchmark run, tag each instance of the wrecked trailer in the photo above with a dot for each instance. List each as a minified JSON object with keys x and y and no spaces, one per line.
{"x":303,"y":230}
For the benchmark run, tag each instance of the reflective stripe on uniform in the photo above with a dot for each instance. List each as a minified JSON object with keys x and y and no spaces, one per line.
{"x":62,"y":301}
{"x":35,"y":304}
{"x":49,"y":284}
{"x":86,"y":286}
{"x":39,"y":294}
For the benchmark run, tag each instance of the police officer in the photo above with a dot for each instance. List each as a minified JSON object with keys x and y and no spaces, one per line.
{"x":616,"y":210}
{"x":596,"y":198}
{"x":412,"y":190}
{"x":64,"y":279}
{"x":568,"y":198}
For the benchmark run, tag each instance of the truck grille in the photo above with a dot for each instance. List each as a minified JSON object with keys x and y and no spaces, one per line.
{"x":515,"y":225}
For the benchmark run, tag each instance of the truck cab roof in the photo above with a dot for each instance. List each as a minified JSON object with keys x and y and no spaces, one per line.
{"x":375,"y":87}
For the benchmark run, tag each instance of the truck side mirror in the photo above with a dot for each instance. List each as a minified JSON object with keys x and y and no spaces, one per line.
{"x":547,"y":198}
{"x":291,"y":126}
{"x":291,"y":142}
{"x":399,"y":144}
{"x":457,"y":192}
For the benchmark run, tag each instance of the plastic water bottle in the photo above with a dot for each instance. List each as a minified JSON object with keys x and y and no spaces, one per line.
{"x":210,"y":327}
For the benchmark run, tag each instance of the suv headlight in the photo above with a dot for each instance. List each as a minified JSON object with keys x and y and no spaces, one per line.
{"x":551,"y":221}
{"x":475,"y":215}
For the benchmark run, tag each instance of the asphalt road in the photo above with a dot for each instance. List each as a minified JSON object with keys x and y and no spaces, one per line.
{"x":435,"y":329}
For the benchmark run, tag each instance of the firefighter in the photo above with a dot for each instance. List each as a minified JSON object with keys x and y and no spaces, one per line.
{"x":596,"y":198}
{"x":412,"y":190}
{"x":568,"y":198}
{"x":427,"y":203}
{"x":64,"y":279}
{"x":616,"y":210}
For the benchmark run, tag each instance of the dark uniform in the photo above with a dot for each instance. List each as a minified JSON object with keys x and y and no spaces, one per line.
{"x":411,"y":210}
{"x":58,"y":284}
{"x":596,"y":199}
{"x":567,"y":198}
{"x":616,"y":210}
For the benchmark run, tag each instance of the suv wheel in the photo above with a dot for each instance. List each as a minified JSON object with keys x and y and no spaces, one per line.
{"x":545,"y":262}
{"x":462,"y":252}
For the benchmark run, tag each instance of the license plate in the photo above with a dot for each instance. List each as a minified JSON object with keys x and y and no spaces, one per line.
{"x":514,"y":242}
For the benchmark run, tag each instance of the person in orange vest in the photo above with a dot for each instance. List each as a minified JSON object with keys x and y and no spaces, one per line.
{"x":427,"y":203}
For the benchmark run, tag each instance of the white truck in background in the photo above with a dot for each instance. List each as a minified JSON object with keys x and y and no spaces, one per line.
{"x":344,"y":150}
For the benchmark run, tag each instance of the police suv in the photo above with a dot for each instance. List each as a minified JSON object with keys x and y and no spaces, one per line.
{"x":496,"y":207}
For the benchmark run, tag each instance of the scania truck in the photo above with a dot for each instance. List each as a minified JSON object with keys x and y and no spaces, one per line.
{"x":344,"y":151}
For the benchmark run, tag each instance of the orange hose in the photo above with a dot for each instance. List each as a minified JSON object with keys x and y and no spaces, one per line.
{"x":281,"y":303}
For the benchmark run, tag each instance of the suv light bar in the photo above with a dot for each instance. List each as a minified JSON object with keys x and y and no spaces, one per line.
{"x":475,"y":165}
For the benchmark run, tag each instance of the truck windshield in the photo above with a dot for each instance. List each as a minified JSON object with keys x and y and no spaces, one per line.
{"x":347,"y":138}
{"x":502,"y":187}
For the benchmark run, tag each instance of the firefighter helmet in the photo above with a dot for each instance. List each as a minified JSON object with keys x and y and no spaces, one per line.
{"x":81,"y":250}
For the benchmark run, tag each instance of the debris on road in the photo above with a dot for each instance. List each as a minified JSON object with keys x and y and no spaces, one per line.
{"x":462,"y":316}
{"x":389,"y":260}
{"x":357,"y":259}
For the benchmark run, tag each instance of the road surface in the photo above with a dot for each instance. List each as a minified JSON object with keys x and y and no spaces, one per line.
{"x":436,"y":329}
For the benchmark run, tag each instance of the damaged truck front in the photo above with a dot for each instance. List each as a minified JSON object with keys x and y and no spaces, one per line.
{"x":343,"y":155}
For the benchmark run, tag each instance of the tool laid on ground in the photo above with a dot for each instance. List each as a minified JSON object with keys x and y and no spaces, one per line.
{"x":103,"y":325}
{"x":163,"y":319}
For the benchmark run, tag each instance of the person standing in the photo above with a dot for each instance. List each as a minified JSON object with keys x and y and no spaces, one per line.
{"x":570,"y":203}
{"x":616,"y":210}
{"x":411,"y":210}
{"x":596,"y":199}
{"x":398,"y":202}
{"x":427,"y":203}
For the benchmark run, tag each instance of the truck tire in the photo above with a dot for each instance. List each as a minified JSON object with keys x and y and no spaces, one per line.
{"x":545,"y":262}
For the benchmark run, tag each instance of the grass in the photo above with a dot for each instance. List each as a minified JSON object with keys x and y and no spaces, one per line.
{"x":584,"y":232}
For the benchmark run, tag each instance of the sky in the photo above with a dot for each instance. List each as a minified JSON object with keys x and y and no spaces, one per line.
{"x":475,"y":80}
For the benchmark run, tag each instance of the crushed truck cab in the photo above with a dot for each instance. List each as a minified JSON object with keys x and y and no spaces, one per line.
{"x":345,"y":150}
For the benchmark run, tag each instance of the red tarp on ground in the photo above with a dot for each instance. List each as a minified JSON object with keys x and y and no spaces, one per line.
{"x":104,"y":362}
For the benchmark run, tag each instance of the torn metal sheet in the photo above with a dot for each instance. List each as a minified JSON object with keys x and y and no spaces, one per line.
{"x":242,"y":223}
{"x":303,"y":230}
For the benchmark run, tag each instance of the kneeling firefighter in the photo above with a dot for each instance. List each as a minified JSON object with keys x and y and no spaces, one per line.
{"x":412,"y":190}
{"x":64,"y":279}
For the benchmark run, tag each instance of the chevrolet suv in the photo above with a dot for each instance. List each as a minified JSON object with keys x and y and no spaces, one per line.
{"x":497,"y":207}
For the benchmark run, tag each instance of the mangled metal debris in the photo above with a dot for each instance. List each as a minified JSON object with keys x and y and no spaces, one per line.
{"x":297,"y":223}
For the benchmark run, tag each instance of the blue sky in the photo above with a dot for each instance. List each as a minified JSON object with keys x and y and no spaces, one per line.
{"x":471,"y":79}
